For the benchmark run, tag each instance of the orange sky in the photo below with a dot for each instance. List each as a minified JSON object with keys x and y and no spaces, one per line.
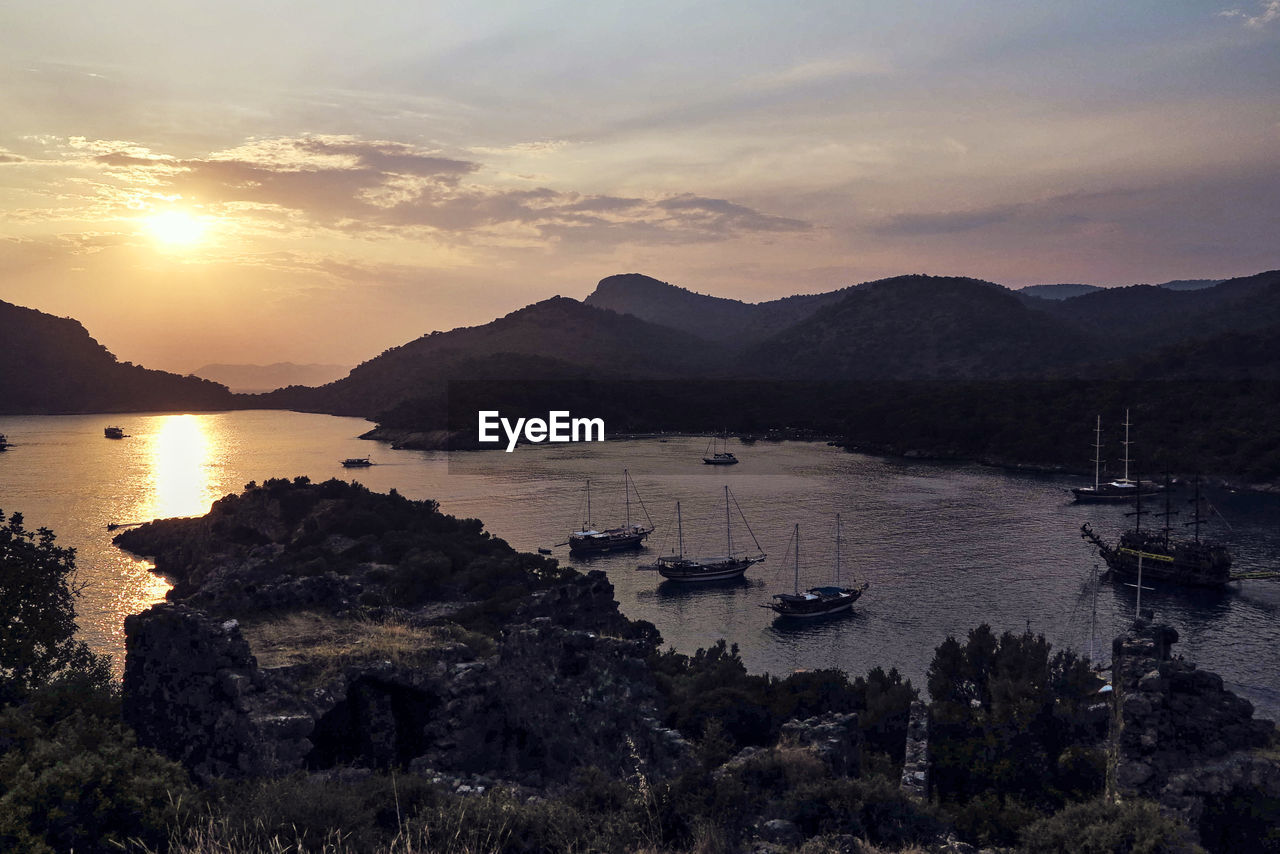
{"x":317,"y":181}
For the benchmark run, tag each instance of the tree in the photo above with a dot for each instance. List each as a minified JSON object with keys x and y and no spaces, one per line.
{"x":37,"y":611}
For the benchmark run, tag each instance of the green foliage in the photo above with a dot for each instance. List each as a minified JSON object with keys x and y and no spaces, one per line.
{"x":1100,"y":827}
{"x":1011,"y":737}
{"x":37,"y":611}
{"x":73,"y":778}
{"x":711,"y":697}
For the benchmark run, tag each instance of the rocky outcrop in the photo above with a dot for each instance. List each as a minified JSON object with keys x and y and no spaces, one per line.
{"x":551,"y":701}
{"x":1181,"y":738}
{"x":193,"y":691}
{"x":834,"y":738}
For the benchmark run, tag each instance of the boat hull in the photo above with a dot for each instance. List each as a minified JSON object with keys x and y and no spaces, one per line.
{"x":818,"y":602}
{"x":691,"y":571}
{"x":607,"y":542}
{"x":1108,"y":494}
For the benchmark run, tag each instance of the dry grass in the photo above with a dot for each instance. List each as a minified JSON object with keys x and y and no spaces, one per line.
{"x":329,"y":645}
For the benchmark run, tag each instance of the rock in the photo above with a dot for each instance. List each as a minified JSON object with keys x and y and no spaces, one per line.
{"x":833,"y":738}
{"x":781,"y":832}
{"x":1183,"y":739}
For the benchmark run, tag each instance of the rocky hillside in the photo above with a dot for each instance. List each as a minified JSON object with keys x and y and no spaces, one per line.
{"x":50,"y":365}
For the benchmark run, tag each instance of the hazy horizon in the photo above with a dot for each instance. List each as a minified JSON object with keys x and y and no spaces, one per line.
{"x":318,"y":182}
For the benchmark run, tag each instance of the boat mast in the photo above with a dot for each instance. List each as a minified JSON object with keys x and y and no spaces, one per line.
{"x":626,"y":492}
{"x":728,"y":529}
{"x":679,"y":530}
{"x":837,"y":549}
{"x":1126,"y":445}
{"x":797,"y":582}
{"x":1097,"y":453}
{"x":586,"y":525}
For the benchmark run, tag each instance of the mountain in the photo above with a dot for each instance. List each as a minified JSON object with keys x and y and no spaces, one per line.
{"x":52,"y":366}
{"x":1190,"y":284}
{"x":712,"y":318}
{"x":253,"y":379}
{"x":1063,"y":291}
{"x":557,"y":339}
{"x":920,"y":327}
{"x":1135,"y":320}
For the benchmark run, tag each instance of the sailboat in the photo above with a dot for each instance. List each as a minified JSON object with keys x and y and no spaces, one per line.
{"x":1195,"y":561}
{"x":590,"y":541}
{"x":816,"y":601}
{"x":1116,"y":491}
{"x":682,"y":568}
{"x":722,"y":457}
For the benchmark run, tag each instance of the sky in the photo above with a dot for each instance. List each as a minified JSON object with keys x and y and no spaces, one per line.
{"x":318,"y":181}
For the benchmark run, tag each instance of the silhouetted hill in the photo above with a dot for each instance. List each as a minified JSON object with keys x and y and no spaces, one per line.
{"x":1133,"y":321}
{"x":1190,"y":284}
{"x":712,"y":318}
{"x":253,"y":379}
{"x":554,"y":338}
{"x":920,"y":327}
{"x":50,"y":365}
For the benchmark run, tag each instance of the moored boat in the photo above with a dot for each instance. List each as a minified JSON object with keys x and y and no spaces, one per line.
{"x":589,"y":540}
{"x":722,"y":457}
{"x":113,"y":432}
{"x":816,"y":601}
{"x":730,"y":565}
{"x":1157,"y":556}
{"x":1117,"y":491}
{"x":356,"y":462}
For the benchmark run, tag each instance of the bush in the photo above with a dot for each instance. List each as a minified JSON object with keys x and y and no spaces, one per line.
{"x":1099,"y":827}
{"x":84,"y":786}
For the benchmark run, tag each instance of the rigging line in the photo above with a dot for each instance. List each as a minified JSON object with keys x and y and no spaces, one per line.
{"x":786,"y":555}
{"x":743,"y":516}
{"x":638,"y":498}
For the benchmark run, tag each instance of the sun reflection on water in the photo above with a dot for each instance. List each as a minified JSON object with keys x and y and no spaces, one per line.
{"x":180,"y":468}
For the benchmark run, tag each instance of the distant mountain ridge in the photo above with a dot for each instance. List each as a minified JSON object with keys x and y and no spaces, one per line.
{"x":253,"y":379}
{"x":50,"y":365}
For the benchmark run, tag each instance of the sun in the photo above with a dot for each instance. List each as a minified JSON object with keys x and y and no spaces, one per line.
{"x":175,"y":227}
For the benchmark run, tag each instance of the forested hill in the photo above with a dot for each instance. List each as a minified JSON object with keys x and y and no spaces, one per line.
{"x":51,"y":365}
{"x":558,"y":338}
{"x":729,"y":321}
{"x":920,"y":327}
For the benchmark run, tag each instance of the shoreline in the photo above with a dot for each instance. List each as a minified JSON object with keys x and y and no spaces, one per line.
{"x":444,"y":440}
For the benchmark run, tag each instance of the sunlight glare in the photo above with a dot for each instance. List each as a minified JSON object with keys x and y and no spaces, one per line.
{"x":176,"y":227}
{"x":180,"y":458}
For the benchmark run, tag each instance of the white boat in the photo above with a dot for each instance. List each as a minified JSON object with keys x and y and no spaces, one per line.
{"x":816,"y":601}
{"x":682,"y":568}
{"x":1116,"y":491}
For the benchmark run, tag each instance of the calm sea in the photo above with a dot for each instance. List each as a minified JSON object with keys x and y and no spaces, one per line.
{"x":944,"y":547}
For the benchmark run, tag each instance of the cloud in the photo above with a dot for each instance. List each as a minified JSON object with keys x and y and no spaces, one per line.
{"x":6,"y":157}
{"x":377,"y":188}
{"x":949,"y":222}
{"x":1269,"y":10}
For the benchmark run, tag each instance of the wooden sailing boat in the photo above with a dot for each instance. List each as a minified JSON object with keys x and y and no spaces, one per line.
{"x":589,"y":540}
{"x":730,"y":565}
{"x":816,"y":601}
